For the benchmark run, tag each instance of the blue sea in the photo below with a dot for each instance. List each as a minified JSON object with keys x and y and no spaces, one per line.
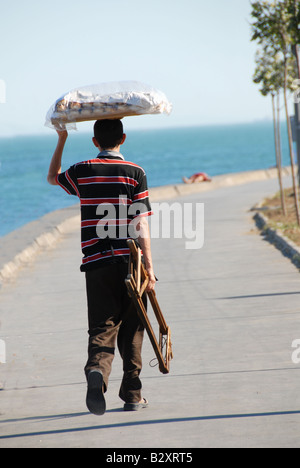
{"x":166,"y":155}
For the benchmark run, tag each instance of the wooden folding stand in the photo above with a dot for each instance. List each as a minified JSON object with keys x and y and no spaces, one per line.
{"x":137,"y":282}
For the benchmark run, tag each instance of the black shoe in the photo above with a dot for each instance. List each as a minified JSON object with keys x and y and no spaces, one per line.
{"x":95,"y":400}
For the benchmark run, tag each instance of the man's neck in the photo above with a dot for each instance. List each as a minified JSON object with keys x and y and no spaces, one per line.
{"x":117,"y":148}
{"x":108,"y":153}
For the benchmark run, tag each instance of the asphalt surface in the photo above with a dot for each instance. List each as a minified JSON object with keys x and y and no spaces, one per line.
{"x":233,"y":309}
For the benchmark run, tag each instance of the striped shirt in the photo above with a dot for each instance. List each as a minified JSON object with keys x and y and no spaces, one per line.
{"x":113,"y":193}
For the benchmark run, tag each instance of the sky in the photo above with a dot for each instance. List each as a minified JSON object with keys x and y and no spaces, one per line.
{"x":197,"y":52}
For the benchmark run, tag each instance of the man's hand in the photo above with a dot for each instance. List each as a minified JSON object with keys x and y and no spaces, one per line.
{"x":55,"y":165}
{"x":62,"y":134}
{"x":152,"y":281}
{"x":145,"y":243}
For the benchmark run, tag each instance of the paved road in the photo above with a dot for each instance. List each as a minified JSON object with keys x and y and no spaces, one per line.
{"x":233,"y":307}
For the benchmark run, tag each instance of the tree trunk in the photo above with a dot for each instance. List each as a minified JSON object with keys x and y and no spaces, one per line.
{"x":297,"y":59}
{"x":295,"y":47}
{"x":278,"y":152}
{"x":295,"y":186}
{"x":297,"y":107}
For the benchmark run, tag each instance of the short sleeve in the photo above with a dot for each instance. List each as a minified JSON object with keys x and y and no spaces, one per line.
{"x":68,"y":181}
{"x":141,"y":204}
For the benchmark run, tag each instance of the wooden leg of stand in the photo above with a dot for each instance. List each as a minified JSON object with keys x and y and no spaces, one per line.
{"x":158,"y":312}
{"x":131,"y":286}
{"x":138,"y":269}
{"x":136,"y":283}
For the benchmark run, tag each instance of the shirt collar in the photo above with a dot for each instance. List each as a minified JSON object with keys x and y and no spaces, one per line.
{"x":110,"y":154}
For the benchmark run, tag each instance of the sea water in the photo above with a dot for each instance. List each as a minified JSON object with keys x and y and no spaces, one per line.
{"x":166,"y":155}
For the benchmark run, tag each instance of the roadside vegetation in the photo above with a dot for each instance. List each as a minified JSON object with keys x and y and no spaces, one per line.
{"x":288,"y":224}
{"x":275,"y":28}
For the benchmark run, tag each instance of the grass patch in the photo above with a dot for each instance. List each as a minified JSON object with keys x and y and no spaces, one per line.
{"x":287,"y":224}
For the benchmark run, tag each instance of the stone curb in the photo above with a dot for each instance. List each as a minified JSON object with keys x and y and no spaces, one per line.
{"x":276,"y":237}
{"x":221,"y":181}
{"x":43,"y":241}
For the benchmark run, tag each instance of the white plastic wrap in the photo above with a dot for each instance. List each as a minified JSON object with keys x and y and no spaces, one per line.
{"x":113,"y":100}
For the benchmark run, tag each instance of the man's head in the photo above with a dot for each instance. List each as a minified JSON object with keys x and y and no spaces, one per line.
{"x":108,"y":134}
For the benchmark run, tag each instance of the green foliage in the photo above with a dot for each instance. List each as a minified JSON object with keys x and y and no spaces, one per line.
{"x":268,"y":72}
{"x":276,"y":29}
{"x":293,"y":10}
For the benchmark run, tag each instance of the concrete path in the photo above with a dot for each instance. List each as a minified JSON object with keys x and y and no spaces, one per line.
{"x":233,"y":307}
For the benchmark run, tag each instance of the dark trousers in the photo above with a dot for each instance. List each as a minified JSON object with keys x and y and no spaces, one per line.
{"x":112,"y":318}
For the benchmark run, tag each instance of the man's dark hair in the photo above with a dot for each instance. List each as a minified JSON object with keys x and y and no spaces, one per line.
{"x":108,"y":133}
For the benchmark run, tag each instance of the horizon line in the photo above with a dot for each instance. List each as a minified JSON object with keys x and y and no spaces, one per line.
{"x":143,"y":128}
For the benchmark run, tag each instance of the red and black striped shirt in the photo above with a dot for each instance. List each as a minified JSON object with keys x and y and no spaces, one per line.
{"x":112,"y":193}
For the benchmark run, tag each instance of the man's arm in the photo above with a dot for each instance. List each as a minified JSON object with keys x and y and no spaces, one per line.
{"x":55,"y":165}
{"x":145,"y":243}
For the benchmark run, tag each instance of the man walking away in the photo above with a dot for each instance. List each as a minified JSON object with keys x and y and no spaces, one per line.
{"x":114,"y":199}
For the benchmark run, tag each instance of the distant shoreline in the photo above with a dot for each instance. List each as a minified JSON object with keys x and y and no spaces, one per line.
{"x":85,"y":131}
{"x":19,"y":247}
